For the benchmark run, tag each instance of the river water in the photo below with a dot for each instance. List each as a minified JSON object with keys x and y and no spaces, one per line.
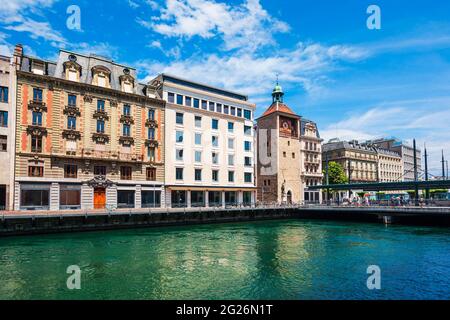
{"x":291,"y":259}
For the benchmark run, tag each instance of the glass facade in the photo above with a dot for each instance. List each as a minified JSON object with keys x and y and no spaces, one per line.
{"x":197,"y":198}
{"x":151,"y":199}
{"x":125,"y":199}
{"x":178,"y":199}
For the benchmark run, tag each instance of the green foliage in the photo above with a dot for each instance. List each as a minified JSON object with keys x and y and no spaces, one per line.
{"x":433,"y":191}
{"x":336,"y":173}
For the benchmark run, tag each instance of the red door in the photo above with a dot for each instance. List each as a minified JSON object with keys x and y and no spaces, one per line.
{"x":99,"y":198}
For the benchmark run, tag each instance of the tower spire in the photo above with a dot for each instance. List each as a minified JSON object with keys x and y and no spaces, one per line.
{"x":277,"y":93}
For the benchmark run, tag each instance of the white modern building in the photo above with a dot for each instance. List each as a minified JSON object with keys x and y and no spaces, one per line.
{"x":7,"y":131}
{"x":210,"y":147}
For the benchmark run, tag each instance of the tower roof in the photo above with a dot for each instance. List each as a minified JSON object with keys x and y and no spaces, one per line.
{"x":278,"y":107}
{"x":277,"y":103}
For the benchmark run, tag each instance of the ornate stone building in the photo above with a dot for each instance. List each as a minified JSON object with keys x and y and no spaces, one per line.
{"x":88,"y":135}
{"x":406,"y":153}
{"x":289,"y":156}
{"x":360,"y":161}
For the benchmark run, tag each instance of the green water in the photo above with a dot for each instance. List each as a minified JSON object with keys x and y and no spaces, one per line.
{"x":262,"y":260}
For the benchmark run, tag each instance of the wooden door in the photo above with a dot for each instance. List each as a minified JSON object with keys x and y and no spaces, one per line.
{"x":99,"y":198}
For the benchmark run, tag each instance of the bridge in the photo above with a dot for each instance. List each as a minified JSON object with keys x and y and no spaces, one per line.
{"x":386,"y":186}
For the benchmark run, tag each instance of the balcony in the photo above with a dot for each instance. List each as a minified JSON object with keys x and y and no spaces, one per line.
{"x":317,"y":150}
{"x":36,"y":130}
{"x":72,"y":110}
{"x":126,"y":140}
{"x":127,"y":119}
{"x":313,"y":161}
{"x":71,"y":134}
{"x":312,"y":174}
{"x":101,"y":115}
{"x":37,"y":105}
{"x":100,"y":137}
{"x":151,"y":123}
{"x":151,"y":143}
{"x":111,"y":156}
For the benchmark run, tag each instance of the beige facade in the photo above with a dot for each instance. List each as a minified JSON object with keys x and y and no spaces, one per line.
{"x":312,"y":160}
{"x":7,"y":131}
{"x":406,"y":153}
{"x":390,"y":166}
{"x":88,"y":135}
{"x":359,"y":161}
{"x":210,"y":149}
{"x":289,"y":158}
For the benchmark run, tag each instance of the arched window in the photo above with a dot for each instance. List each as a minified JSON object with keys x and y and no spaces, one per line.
{"x":101,"y":76}
{"x":72,"y":70}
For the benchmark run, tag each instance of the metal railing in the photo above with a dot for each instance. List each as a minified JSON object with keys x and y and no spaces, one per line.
{"x":113,"y":210}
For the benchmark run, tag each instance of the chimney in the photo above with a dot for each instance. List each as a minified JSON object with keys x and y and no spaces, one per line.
{"x":18,"y":53}
{"x":18,"y":50}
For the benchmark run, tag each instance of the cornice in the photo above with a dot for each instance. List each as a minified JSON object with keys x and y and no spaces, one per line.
{"x":85,"y":88}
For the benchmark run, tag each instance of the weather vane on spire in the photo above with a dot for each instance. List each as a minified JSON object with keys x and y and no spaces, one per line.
{"x":277,"y":92}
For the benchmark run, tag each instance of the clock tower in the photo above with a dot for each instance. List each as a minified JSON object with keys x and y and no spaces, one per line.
{"x":279,"y":166}
{"x":286,"y":165}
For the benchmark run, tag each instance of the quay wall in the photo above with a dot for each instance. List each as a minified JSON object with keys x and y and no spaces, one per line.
{"x":25,"y":224}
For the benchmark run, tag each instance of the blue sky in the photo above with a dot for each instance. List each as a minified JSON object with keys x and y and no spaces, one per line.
{"x":354,"y":82}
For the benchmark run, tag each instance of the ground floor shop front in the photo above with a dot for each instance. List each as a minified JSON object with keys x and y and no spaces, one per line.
{"x":92,"y":194}
{"x":185,"y":197}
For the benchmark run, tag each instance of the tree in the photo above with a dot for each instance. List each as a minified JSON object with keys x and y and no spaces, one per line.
{"x":336,"y":173}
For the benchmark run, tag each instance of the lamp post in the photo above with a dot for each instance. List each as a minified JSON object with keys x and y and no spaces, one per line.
{"x":349,"y":176}
{"x":443,"y":166}
{"x":327,"y":178}
{"x":427,"y":190}
{"x":416,"y":186}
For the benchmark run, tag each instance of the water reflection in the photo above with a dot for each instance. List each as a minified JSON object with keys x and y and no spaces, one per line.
{"x":263,"y":260}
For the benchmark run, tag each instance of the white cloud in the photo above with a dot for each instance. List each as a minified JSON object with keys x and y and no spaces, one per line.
{"x":15,"y":16}
{"x":133,"y":4}
{"x":13,"y":10}
{"x":425,"y":120}
{"x":247,"y":26}
{"x":37,"y":30}
{"x":156,"y":44}
{"x":254,"y":74}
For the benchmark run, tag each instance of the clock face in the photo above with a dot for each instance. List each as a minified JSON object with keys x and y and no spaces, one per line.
{"x":285,"y":125}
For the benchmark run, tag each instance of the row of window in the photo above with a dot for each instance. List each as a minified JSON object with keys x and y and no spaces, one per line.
{"x":71,"y":171}
{"x":70,"y":197}
{"x":208,"y":105}
{"x":179,"y":198}
{"x":179,"y":175}
{"x":179,"y":119}
{"x":179,"y":156}
{"x":179,"y":138}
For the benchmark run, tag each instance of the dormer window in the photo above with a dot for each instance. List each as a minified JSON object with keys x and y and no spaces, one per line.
{"x":127,"y":81}
{"x":127,"y":86}
{"x":101,"y":80}
{"x":72,"y":69}
{"x":72,"y":75}
{"x":38,"y":67}
{"x":101,"y":76}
